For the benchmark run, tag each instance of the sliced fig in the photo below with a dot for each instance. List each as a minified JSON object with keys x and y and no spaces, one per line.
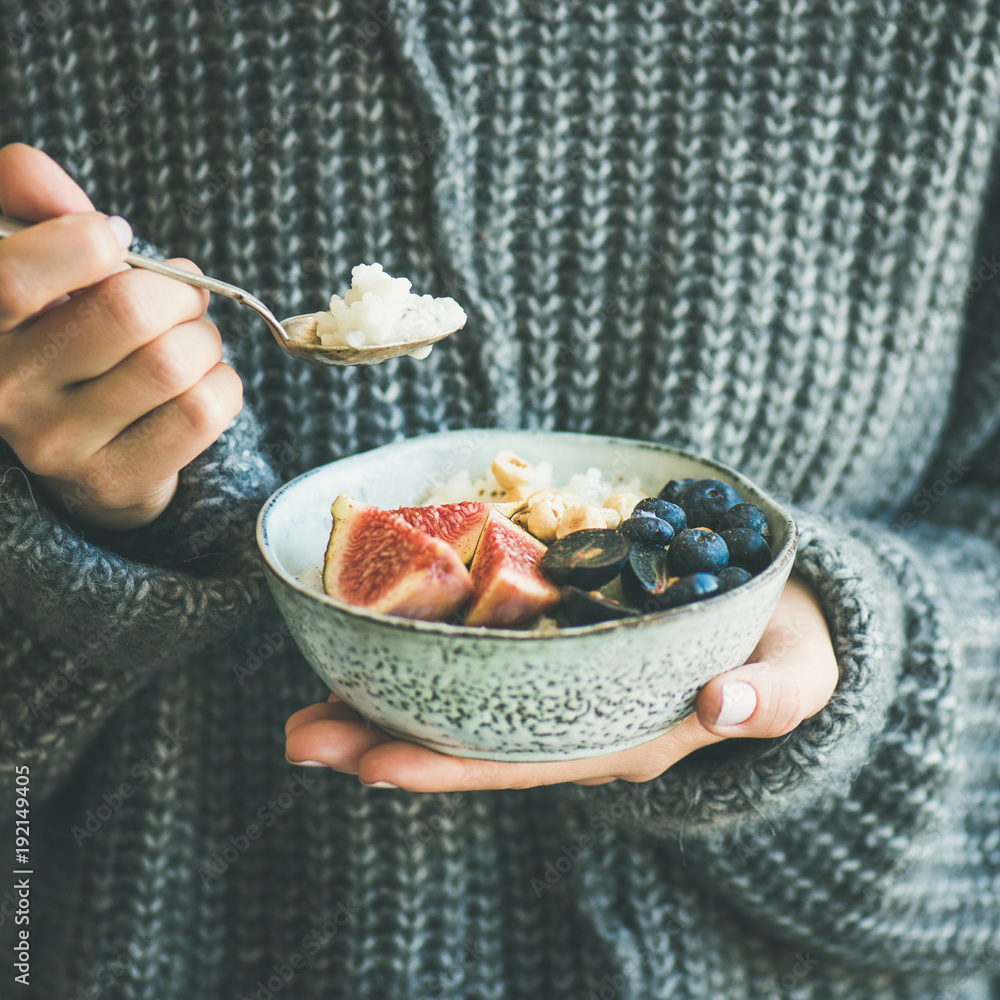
{"x":509,"y":586}
{"x":458,"y":524}
{"x":377,"y":561}
{"x":586,"y":559}
{"x":585,"y":607}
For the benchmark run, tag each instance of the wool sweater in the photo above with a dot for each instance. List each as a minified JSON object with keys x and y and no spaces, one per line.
{"x":762,"y":231}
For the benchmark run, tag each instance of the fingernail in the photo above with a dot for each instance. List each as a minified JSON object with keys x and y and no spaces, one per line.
{"x":378,"y":784}
{"x":305,"y":763}
{"x":739,"y":700}
{"x":122,"y":230}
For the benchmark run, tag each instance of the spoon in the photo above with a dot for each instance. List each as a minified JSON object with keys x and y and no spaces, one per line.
{"x":295,"y":336}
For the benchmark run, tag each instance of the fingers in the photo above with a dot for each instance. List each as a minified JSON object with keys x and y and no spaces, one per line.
{"x":336,"y":736}
{"x":418,"y":769}
{"x":48,"y":260}
{"x":34,"y":187}
{"x":103,"y":325}
{"x":161,"y":370}
{"x":155,"y":447}
{"x":791,"y":676}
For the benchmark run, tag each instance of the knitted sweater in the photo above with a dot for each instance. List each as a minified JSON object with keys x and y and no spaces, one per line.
{"x":763,"y":231}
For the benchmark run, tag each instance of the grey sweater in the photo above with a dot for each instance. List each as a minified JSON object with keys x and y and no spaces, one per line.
{"x":764,"y":231}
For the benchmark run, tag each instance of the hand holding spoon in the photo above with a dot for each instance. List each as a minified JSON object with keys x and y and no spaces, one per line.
{"x":295,"y":336}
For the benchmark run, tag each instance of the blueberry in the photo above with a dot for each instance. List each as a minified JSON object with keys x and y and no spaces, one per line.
{"x":732,"y":577}
{"x":746,"y":548}
{"x":647,"y":529}
{"x":695,"y":587}
{"x":673,"y":490}
{"x":745,"y":515}
{"x":645,"y":575}
{"x":664,"y":510}
{"x":706,"y":500}
{"x":585,"y":607}
{"x":697,"y":550}
{"x":587,"y":559}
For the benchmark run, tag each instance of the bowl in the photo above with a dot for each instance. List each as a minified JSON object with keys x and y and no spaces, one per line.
{"x":506,"y":694}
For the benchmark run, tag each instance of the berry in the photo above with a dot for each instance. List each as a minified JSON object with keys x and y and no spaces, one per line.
{"x":585,"y":607}
{"x":732,"y":577}
{"x":746,"y":548}
{"x":587,"y":559}
{"x":697,"y":550}
{"x":745,"y":515}
{"x":647,"y":530}
{"x":673,"y":490}
{"x":664,"y":510}
{"x":706,"y":500}
{"x":695,"y":587}
{"x":645,"y":575}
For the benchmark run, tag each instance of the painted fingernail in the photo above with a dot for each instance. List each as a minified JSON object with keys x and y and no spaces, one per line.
{"x":122,"y":230}
{"x":305,"y":763}
{"x":739,"y":700}
{"x":379,"y":784}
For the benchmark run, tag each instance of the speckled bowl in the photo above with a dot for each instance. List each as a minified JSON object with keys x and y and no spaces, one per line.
{"x":503,"y":694}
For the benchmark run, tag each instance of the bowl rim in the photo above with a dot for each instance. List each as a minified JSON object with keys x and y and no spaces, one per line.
{"x":780,"y":564}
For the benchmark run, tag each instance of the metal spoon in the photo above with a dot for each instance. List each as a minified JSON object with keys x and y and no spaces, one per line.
{"x":295,"y":336}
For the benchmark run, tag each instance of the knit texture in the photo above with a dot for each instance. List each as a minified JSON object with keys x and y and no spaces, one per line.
{"x":763,"y":231}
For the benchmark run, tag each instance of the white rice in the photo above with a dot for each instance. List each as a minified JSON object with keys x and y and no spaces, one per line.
{"x":381,"y":309}
{"x":592,"y":486}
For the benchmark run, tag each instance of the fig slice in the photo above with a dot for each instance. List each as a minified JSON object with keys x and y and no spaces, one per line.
{"x":377,"y":561}
{"x":510,"y":588}
{"x":458,"y":524}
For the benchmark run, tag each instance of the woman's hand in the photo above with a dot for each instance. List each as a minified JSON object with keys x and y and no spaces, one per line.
{"x":111,"y":379}
{"x":789,"y":677}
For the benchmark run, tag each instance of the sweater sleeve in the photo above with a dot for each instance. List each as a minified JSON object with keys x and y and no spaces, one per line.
{"x":87,"y":616}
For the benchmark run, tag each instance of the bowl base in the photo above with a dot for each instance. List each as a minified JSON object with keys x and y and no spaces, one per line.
{"x":525,"y":756}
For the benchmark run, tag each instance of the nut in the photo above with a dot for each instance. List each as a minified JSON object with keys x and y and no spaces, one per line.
{"x":518,"y":492}
{"x":579,"y":517}
{"x":624,"y":503}
{"x":540,"y":495}
{"x":511,"y":471}
{"x":543,"y":519}
{"x":611,"y":517}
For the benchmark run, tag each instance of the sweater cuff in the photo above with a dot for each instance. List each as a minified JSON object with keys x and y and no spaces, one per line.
{"x":720,"y":785}
{"x":182,"y":577}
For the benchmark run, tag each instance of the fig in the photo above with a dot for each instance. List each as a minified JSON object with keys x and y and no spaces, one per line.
{"x":585,"y":607}
{"x":509,"y":586}
{"x":377,"y":561}
{"x":458,"y":524}
{"x":586,"y":559}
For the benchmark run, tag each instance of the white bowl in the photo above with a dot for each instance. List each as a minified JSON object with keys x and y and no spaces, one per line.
{"x":505,"y":694}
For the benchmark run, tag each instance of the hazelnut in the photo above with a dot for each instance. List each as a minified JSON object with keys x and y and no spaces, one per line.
{"x":511,"y":471}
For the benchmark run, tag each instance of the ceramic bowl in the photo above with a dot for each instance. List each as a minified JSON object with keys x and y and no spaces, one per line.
{"x":505,"y":694}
